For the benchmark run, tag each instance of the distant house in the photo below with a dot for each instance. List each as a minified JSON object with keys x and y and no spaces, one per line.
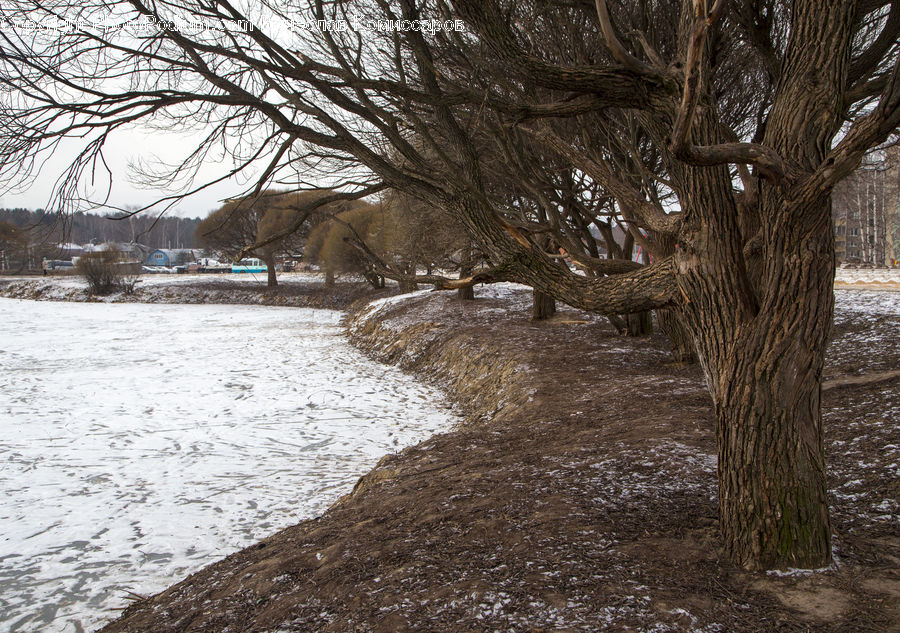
{"x":172,"y":256}
{"x":131,"y":251}
{"x":68,"y":251}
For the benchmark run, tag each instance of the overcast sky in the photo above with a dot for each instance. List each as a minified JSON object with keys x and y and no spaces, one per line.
{"x":123,"y":148}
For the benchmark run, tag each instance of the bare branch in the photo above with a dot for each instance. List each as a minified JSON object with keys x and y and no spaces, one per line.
{"x":651,"y":215}
{"x":615,"y":46}
{"x":615,"y":86}
{"x":764,"y":158}
{"x":865,"y":133}
{"x":868,"y":61}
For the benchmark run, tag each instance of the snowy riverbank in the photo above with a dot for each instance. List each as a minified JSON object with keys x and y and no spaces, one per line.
{"x":586,"y":502}
{"x":294,"y":290}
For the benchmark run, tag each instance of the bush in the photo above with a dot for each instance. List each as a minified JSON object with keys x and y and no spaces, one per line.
{"x":102,"y":270}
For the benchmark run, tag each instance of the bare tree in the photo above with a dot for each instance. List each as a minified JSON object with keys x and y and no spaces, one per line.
{"x":747,"y":182}
{"x":416,"y":235}
{"x":13,"y":247}
{"x":331,"y":243}
{"x":275,"y":220}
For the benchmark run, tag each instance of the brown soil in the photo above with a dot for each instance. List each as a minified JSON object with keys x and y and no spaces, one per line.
{"x":580,"y":496}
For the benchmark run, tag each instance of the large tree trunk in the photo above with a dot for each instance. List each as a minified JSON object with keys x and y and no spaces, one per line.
{"x":763,"y":356}
{"x":773,"y":508}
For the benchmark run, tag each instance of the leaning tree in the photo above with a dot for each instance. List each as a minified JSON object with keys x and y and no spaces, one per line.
{"x":746,"y":181}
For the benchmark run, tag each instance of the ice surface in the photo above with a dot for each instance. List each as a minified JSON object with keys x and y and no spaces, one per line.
{"x":139,"y":443}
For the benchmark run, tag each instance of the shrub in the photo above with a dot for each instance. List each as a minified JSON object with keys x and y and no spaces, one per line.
{"x":102,"y":270}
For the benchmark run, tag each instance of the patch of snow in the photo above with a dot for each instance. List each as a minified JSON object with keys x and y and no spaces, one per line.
{"x":504,"y":290}
{"x":866,"y":302}
{"x":379,"y":304}
{"x":791,"y":571}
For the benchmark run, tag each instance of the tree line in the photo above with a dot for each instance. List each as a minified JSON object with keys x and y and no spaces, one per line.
{"x":27,"y":236}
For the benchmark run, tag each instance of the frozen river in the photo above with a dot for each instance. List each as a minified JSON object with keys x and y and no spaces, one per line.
{"x":140,"y":442}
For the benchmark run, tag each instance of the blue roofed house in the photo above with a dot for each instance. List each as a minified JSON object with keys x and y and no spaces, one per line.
{"x":172,"y":256}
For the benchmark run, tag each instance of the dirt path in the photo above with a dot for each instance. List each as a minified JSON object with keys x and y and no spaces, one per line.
{"x":581,"y":496}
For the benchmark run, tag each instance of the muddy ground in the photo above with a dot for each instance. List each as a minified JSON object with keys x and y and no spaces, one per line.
{"x":579,"y":496}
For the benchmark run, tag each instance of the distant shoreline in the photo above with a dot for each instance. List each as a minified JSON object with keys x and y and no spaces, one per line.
{"x":305,"y":290}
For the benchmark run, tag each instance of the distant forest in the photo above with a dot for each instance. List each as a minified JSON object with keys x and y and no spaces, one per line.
{"x":47,"y":228}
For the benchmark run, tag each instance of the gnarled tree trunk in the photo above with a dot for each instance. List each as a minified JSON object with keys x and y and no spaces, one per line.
{"x":762,"y":348}
{"x":765,"y":376}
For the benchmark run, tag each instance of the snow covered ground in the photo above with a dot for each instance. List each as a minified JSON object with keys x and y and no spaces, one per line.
{"x":140,"y":442}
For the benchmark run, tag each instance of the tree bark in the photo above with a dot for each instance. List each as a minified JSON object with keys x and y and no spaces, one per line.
{"x":639,"y":323}
{"x":773,"y":507}
{"x":272,"y":279}
{"x":466,"y":294}
{"x":679,"y":336}
{"x":543,"y":306}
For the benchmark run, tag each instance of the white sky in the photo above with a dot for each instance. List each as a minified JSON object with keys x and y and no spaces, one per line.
{"x":145,"y":145}
{"x":123,"y":148}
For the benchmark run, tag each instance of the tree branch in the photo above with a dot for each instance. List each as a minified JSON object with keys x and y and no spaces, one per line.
{"x":869,"y":59}
{"x":767,"y":160}
{"x":865,"y":133}
{"x":615,"y":46}
{"x":652,"y":216}
{"x":614,"y":85}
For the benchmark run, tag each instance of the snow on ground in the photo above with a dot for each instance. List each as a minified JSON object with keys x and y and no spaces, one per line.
{"x":502,"y":290}
{"x":864,"y":320}
{"x":378,"y":305}
{"x":142,"y":442}
{"x":849,"y":303}
{"x":230,"y":278}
